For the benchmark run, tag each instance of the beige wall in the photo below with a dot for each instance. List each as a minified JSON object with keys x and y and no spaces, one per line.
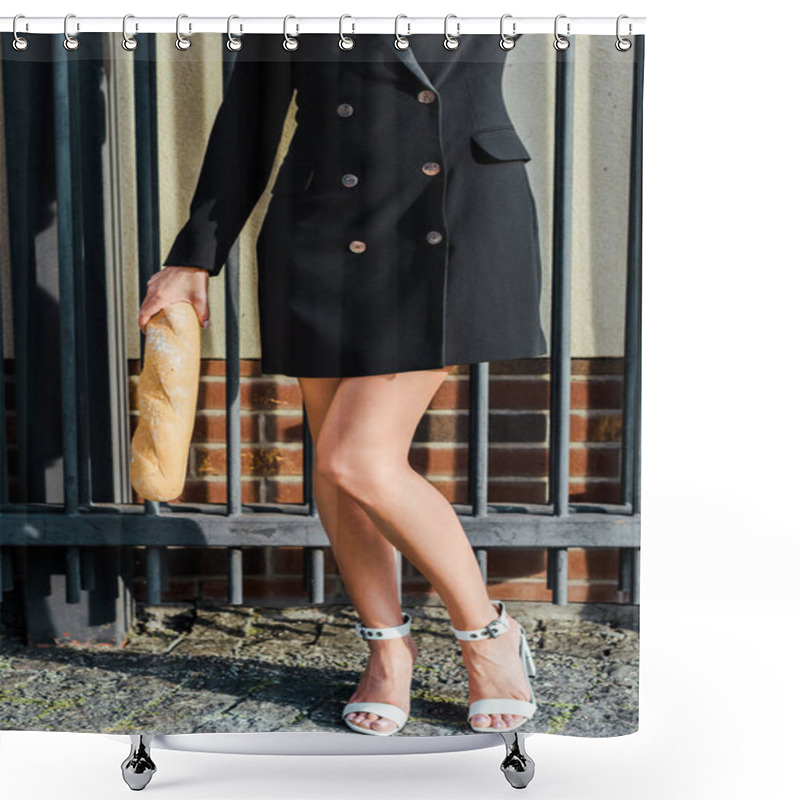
{"x":190,"y":91}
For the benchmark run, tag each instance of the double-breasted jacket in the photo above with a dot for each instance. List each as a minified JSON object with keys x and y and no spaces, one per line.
{"x":402,"y":232}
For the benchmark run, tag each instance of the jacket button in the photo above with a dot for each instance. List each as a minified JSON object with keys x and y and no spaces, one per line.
{"x":426,"y":96}
{"x":357,"y":247}
{"x":431,"y":168}
{"x":344,"y":110}
{"x":434,"y":237}
{"x":349,"y":179}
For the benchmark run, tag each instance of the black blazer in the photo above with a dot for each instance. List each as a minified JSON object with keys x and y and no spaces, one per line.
{"x":402,"y":232}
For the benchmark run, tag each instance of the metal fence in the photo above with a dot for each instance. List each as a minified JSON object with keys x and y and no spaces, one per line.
{"x":93,"y":541}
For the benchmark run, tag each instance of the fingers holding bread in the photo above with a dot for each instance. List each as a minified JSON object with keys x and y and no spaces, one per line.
{"x":171,"y":285}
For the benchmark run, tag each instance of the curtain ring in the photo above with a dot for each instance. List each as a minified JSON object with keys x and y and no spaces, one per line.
{"x":70,"y":42}
{"x":19,"y":43}
{"x":507,"y":42}
{"x":234,"y":42}
{"x":623,"y":44}
{"x":560,"y":43}
{"x":401,"y":42}
{"x":128,"y":42}
{"x":182,"y":43}
{"x":346,"y":42}
{"x":289,"y":42}
{"x":451,"y":42}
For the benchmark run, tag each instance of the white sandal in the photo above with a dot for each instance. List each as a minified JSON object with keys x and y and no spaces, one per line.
{"x":497,"y":705}
{"x":387,"y":710}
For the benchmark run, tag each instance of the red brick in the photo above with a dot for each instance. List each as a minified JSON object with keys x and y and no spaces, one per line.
{"x":285,"y":427}
{"x":595,"y":592}
{"x":528,"y":462}
{"x":450,"y":428}
{"x":516,"y":562}
{"x":596,"y":393}
{"x":284,"y":491}
{"x":533,"y":393}
{"x":216,"y":367}
{"x":287,"y":561}
{"x":609,"y":365}
{"x":255,"y":461}
{"x":451,"y":461}
{"x":533,"y":591}
{"x":453,"y":393}
{"x":532,"y":491}
{"x":595,"y":492}
{"x":455,"y":491}
{"x":215,"y":491}
{"x":259,"y":394}
{"x":595,"y":462}
{"x":592,"y":563}
{"x":595,"y":426}
{"x":212,"y":428}
{"x":521,"y":366}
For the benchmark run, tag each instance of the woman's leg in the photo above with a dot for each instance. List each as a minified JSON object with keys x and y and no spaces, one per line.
{"x":367,"y":563}
{"x":363,"y":447}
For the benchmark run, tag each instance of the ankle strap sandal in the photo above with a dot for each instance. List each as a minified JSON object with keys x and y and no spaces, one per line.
{"x":387,"y":710}
{"x":504,"y":705}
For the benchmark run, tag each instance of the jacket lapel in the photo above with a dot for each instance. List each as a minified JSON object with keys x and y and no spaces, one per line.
{"x":408,"y":58}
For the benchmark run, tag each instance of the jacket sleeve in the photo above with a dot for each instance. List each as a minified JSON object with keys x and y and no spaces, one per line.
{"x":238,"y":159}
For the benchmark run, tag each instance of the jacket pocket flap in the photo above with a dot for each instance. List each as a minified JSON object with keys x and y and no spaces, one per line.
{"x":501,"y":143}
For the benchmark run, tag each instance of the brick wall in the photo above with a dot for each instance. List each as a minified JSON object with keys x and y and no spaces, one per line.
{"x":272,"y":458}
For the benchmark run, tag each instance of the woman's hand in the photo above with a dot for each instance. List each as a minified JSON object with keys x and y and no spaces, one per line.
{"x":171,"y":285}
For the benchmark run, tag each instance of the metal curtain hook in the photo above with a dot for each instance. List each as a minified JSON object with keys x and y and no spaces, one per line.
{"x":451,"y":42}
{"x":234,"y":42}
{"x":19,"y":43}
{"x":560,"y":43}
{"x":623,"y":44}
{"x":401,"y":42}
{"x":70,"y":42}
{"x":346,"y":42}
{"x":182,"y":43}
{"x":289,"y":42}
{"x":506,"y":42}
{"x":128,"y":42}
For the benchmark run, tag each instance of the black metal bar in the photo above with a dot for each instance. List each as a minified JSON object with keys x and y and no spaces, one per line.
{"x":481,"y":555}
{"x":560,"y":578}
{"x":146,"y":134}
{"x":235,"y":579}
{"x":72,"y":558}
{"x":88,"y":575}
{"x":308,"y":467}
{"x":624,"y":569}
{"x":153,"y":575}
{"x":4,"y":469}
{"x":631,"y":415}
{"x":233,"y":405}
{"x":127,"y":525}
{"x":66,"y":270}
{"x":316,"y":574}
{"x":560,"y":359}
{"x":479,"y":437}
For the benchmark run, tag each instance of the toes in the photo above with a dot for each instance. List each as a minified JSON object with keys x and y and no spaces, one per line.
{"x":371,"y":720}
{"x":481,"y":721}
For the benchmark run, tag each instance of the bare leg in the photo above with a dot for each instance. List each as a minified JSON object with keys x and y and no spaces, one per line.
{"x":363,"y":449}
{"x":366,"y":561}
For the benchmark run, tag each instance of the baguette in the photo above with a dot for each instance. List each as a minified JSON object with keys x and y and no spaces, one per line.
{"x":167,"y":401}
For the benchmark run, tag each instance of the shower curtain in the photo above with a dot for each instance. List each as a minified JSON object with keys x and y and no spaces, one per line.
{"x":329,"y":212}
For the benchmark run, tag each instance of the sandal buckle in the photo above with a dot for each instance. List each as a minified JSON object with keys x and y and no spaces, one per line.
{"x":493,"y":629}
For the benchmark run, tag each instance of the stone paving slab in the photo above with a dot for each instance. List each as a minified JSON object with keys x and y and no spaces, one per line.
{"x":240,"y":669}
